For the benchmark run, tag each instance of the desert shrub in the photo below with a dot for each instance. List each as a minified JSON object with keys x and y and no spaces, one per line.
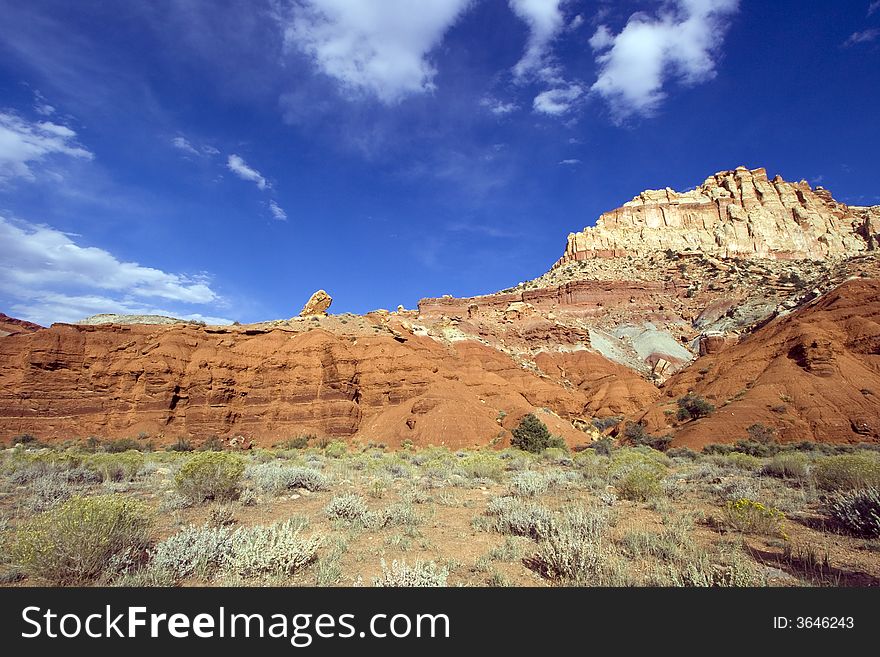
{"x":275,"y":478}
{"x":180,"y":445}
{"x":682,"y":453}
{"x":49,"y":489}
{"x":636,"y":434}
{"x":529,"y":484}
{"x":122,"y":445}
{"x":192,"y":551}
{"x":625,"y":459}
{"x":761,"y":433}
{"x":640,"y":483}
{"x":575,"y":551}
{"x":519,"y":518}
{"x":210,"y":476}
{"x":756,"y":449}
{"x":693,"y":407}
{"x":603,"y":446}
{"x":81,"y":539}
{"x":847,"y":472}
{"x":740,"y":461}
{"x":788,"y":465}
{"x":336,"y":450}
{"x":24,"y":439}
{"x":857,"y":511}
{"x":716,"y":448}
{"x":300,"y":442}
{"x":213,"y":444}
{"x":604,"y":423}
{"x":752,"y":517}
{"x":483,"y":465}
{"x":117,"y":466}
{"x":401,"y":513}
{"x":278,"y":549}
{"x":420,"y":574}
{"x":349,"y":507}
{"x":532,"y":435}
{"x":738,"y":489}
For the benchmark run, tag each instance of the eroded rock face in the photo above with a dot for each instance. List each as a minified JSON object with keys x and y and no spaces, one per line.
{"x":738,"y":213}
{"x":10,"y":325}
{"x":273,"y":383}
{"x":811,"y":375}
{"x":317,"y":304}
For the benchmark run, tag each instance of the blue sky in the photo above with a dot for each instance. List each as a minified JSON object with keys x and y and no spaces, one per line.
{"x":223,"y":160}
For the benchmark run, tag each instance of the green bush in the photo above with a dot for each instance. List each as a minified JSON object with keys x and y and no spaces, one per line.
{"x":693,"y":407}
{"x":847,"y":472}
{"x":757,"y":449}
{"x":753,"y":517}
{"x":116,"y":466}
{"x":682,"y":453}
{"x":532,"y":435}
{"x":336,"y":450}
{"x":788,"y":465}
{"x":641,"y":483}
{"x":635,"y":433}
{"x":210,"y":476}
{"x":182,"y":445}
{"x":81,"y":539}
{"x":483,"y":465}
{"x":716,"y":448}
{"x":741,"y":461}
{"x":122,"y":445}
{"x":857,"y":511}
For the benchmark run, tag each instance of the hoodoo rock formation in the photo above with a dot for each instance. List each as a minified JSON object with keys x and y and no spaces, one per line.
{"x":317,"y":304}
{"x":758,"y":294}
{"x":738,"y":213}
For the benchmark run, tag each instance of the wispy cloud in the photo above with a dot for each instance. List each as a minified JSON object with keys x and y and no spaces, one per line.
{"x":182,"y":144}
{"x":277,"y":211}
{"x":24,"y":144}
{"x":681,"y":44}
{"x":380,"y":48}
{"x":874,"y":6}
{"x":498,"y":107}
{"x":570,"y":162}
{"x":557,"y":102}
{"x":241,"y":169}
{"x":53,"y":278}
{"x":865,"y":36}
{"x":545,"y":20}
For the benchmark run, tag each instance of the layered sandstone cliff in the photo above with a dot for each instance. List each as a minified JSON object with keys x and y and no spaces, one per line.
{"x":739,"y":213}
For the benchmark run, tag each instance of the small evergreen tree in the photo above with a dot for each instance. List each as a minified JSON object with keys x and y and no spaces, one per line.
{"x":532,"y":435}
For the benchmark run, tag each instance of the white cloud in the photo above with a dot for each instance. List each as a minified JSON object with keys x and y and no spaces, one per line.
{"x":545,"y":20}
{"x":181,"y":143}
{"x":380,"y":48}
{"x":240,"y":168}
{"x":864,"y":36}
{"x":680,"y":43}
{"x":498,"y":107}
{"x":277,"y":211}
{"x":556,"y":102}
{"x":52,"y":278}
{"x":570,"y":162}
{"x":576,"y":22}
{"x":24,"y":143}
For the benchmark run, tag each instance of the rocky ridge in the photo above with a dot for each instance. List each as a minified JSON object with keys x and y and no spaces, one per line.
{"x":739,"y":213}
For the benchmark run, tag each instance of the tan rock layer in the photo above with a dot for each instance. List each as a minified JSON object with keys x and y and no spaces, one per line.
{"x":738,"y":213}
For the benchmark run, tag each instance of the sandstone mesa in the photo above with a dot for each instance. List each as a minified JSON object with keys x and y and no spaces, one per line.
{"x":759,"y":294}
